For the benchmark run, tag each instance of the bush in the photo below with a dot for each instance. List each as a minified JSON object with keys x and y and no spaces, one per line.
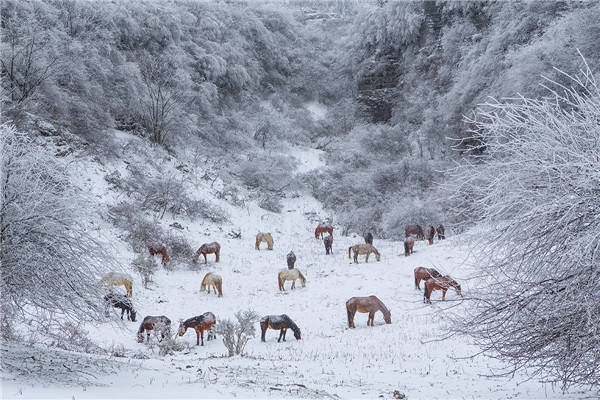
{"x":271,"y":203}
{"x":146,"y":267}
{"x":236,"y":334}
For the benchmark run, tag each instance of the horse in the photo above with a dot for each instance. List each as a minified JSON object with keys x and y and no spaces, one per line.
{"x":430,"y":234}
{"x":369,"y":305}
{"x":416,"y":230}
{"x":409,"y":245}
{"x":120,"y":301}
{"x":119,"y":278}
{"x":208,"y":248}
{"x":422,"y":274}
{"x":200,"y":324}
{"x":291,"y":260}
{"x":290,"y":275}
{"x":161,"y":324}
{"x":363,"y":249}
{"x":264,"y":237}
{"x":160,"y":250}
{"x":322,"y":228}
{"x":328,"y":242}
{"x":282,"y":322}
{"x":369,"y":238}
{"x":214,"y":280}
{"x":442,"y":283}
{"x":441,"y":232}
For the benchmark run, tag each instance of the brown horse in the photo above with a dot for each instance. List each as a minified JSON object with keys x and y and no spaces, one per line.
{"x":369,"y":305}
{"x":328,"y":242}
{"x":441,"y":232}
{"x":208,"y":248}
{"x":430,"y":234}
{"x":363,"y":249}
{"x":442,"y":283}
{"x":200,"y":324}
{"x":282,"y":322}
{"x":416,"y":230}
{"x":422,"y":274}
{"x":162,"y":250}
{"x":161,"y":324}
{"x":409,"y":245}
{"x":323,"y":228}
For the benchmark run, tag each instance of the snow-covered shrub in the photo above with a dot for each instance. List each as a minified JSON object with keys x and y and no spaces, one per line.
{"x":271,"y":203}
{"x":146,"y":266}
{"x":237,"y":333}
{"x":534,"y":187}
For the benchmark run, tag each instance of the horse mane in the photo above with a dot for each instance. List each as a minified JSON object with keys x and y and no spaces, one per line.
{"x":381,"y":305}
{"x":375,"y":250}
{"x":302,"y":277}
{"x":293,"y":325}
{"x":205,"y":279}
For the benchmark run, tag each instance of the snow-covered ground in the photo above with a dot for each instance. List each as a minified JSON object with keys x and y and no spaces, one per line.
{"x":331,"y":360}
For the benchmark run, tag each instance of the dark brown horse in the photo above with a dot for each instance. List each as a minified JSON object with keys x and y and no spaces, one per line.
{"x":422,"y":274}
{"x":200,"y":324}
{"x":291,"y":260}
{"x":441,"y":232}
{"x":369,"y":238}
{"x":162,"y":250}
{"x":430,"y":234}
{"x":208,"y":248}
{"x":416,"y":230}
{"x":409,"y":245}
{"x":442,"y":283}
{"x":160,"y":323}
{"x":328,"y":242}
{"x":121,"y":301}
{"x":323,"y":228}
{"x":369,"y":305}
{"x":282,"y":322}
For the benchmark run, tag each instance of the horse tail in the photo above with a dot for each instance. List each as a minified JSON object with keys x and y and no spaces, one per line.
{"x":406,"y":248}
{"x":302,"y":278}
{"x":279,"y":281}
{"x":317,"y":233}
{"x":349,"y":251}
{"x":257,"y":245}
{"x":416,"y":282}
{"x":349,"y":315}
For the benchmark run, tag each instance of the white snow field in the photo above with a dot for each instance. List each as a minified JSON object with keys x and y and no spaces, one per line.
{"x":331,"y":360}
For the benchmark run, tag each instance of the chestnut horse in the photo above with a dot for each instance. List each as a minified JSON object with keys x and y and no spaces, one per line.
{"x":328,"y":242}
{"x":323,"y":228}
{"x":369,"y":238}
{"x":430,"y":234}
{"x":442,"y":283}
{"x":264,"y":237}
{"x":161,"y":324}
{"x":363,"y":249}
{"x":200,"y":324}
{"x":208,"y":248}
{"x":416,"y":230}
{"x":119,"y":278}
{"x":441,"y":232}
{"x":290,"y":275}
{"x":409,"y":245}
{"x":282,"y":322}
{"x":214,"y":280}
{"x":369,"y":305}
{"x":162,"y":250}
{"x":422,"y":274}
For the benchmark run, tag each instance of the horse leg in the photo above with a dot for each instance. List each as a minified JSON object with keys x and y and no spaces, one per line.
{"x":122,"y":311}
{"x":204,"y":254}
{"x":147,"y":336}
{"x":444,"y":294}
{"x":293,"y":284}
{"x":371,"y":319}
{"x":356,"y":257}
{"x":367,"y":258}
{"x":280,"y":335}
{"x":218,"y":255}
{"x":284,"y":332}
{"x":202,"y":336}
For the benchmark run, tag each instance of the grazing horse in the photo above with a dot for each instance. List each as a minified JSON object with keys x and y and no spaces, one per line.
{"x":441,"y":232}
{"x":442,"y":283}
{"x":200,"y":324}
{"x":119,"y":301}
{"x":119,"y":278}
{"x":282,"y":322}
{"x":214,"y":280}
{"x":162,"y":250}
{"x":328,"y":242}
{"x":369,"y":238}
{"x":369,"y":305}
{"x":430,"y":234}
{"x":422,"y":274}
{"x":161,"y":324}
{"x":363,"y":249}
{"x":290,"y":275}
{"x":291,"y":260}
{"x":409,"y":245}
{"x":208,"y":248}
{"x":264,"y":237}
{"x":323,"y":228}
{"x":416,"y":230}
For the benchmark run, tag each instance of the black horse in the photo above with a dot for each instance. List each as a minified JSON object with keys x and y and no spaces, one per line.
{"x":369,"y":238}
{"x":282,"y":322}
{"x":328,"y":242}
{"x":441,"y":232}
{"x":121,"y":301}
{"x":291,"y":260}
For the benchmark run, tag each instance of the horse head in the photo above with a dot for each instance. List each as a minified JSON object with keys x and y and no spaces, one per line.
{"x":296,"y":332}
{"x":387,"y":316}
{"x":181,"y":329}
{"x":133,"y":315}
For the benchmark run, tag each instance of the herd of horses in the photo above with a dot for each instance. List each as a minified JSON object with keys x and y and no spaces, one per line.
{"x":432,"y":279}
